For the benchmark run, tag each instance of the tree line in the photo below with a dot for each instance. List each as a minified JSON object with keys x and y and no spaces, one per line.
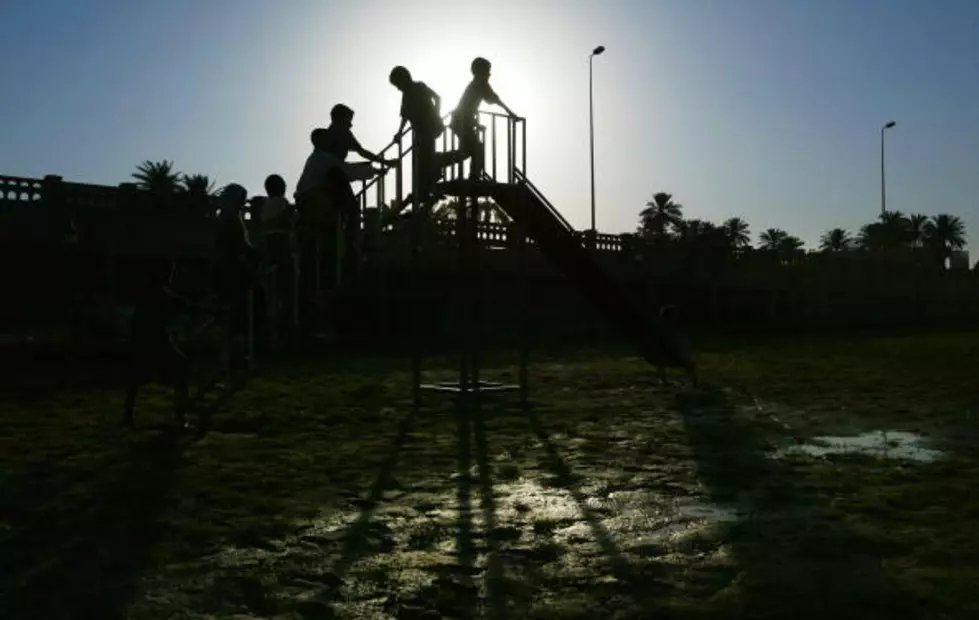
{"x":662,"y":222}
{"x":161,"y":177}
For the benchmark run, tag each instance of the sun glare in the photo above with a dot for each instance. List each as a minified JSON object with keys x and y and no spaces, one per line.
{"x":446,"y":70}
{"x":447,"y":74}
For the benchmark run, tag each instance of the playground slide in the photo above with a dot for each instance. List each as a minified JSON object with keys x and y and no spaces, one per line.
{"x":554,"y":237}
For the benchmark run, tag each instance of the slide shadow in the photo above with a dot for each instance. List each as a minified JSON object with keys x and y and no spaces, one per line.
{"x":793,"y":562}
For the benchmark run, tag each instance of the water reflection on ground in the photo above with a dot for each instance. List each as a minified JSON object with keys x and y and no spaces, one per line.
{"x":410,"y":548}
{"x":535,"y":522}
{"x":901,"y":445}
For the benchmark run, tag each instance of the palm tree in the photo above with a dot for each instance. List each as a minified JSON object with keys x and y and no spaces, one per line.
{"x":661,"y":214}
{"x":916,"y":229}
{"x":945,"y":233}
{"x":704,"y":238}
{"x":835,"y":240}
{"x":789,"y":246}
{"x":772,"y":239}
{"x":780,"y":243}
{"x":158,"y":177}
{"x":738,"y":233}
{"x":872,"y":237}
{"x":198,"y":185}
{"x":894,"y":229}
{"x":693,"y":229}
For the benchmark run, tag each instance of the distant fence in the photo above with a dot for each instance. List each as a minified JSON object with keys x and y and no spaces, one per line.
{"x":101,"y":232}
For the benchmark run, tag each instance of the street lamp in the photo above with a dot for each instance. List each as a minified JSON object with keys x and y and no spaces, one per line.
{"x":591,"y":129}
{"x":883,"y":191}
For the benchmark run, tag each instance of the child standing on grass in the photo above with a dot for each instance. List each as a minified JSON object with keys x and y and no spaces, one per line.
{"x":153,"y":353}
{"x":465,"y":121}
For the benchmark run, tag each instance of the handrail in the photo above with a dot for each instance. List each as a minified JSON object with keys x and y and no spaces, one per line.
{"x":512,"y":155}
{"x":501,"y":115}
{"x":523,"y":180}
{"x":401,"y":136}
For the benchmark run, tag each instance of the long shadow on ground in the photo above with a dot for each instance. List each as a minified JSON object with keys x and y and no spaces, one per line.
{"x":80,"y":555}
{"x":357,"y":538}
{"x":81,"y":540}
{"x":455,"y":592}
{"x":637,"y":587}
{"x":565,"y":479}
{"x":795,"y":559}
{"x":495,"y":584}
{"x":466,"y":551}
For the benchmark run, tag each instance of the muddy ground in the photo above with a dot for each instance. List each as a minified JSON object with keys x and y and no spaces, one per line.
{"x":323,"y":494}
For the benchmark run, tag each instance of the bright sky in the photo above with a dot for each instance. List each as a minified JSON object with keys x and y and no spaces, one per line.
{"x":766,"y":109}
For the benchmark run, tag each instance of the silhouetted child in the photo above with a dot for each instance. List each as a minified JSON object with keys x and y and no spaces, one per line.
{"x":324,"y":188}
{"x":238,"y":265}
{"x":326,"y":166}
{"x":153,"y":353}
{"x":465,"y":121}
{"x":276,"y":206}
{"x":420,"y":106}
{"x":277,"y":220}
{"x":325,"y":175}
{"x":237,"y":258}
{"x":276,"y":226}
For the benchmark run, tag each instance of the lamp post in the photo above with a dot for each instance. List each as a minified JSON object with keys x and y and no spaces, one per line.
{"x":591,"y":129}
{"x":883,"y":191}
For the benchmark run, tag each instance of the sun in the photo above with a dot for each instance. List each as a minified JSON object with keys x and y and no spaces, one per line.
{"x":447,"y":71}
{"x":446,"y":75}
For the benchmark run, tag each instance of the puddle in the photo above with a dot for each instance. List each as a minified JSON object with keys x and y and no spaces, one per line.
{"x":881,"y":444}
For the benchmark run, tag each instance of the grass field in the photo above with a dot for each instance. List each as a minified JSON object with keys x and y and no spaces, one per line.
{"x":321,"y":494}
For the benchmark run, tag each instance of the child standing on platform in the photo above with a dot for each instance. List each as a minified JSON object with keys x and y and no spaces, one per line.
{"x":465,"y":121}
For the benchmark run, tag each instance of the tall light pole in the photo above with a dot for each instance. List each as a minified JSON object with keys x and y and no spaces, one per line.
{"x":591,"y":128}
{"x":883,"y":190}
